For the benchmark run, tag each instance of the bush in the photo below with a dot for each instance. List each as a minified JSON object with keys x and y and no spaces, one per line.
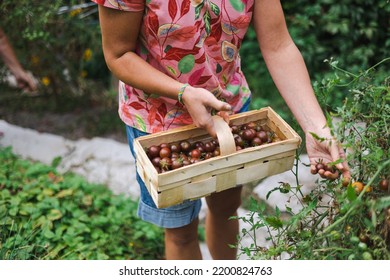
{"x":336,"y":221}
{"x":353,"y":32}
{"x":46,"y":215}
{"x":60,"y":43}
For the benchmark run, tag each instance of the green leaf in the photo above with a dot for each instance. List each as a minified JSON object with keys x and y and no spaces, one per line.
{"x":274,"y":222}
{"x":207,"y":19}
{"x":238,"y":5}
{"x":140,"y":122}
{"x":65,"y":193}
{"x":351,"y":194}
{"x":56,"y":162}
{"x":186,"y":64}
{"x":198,"y":9}
{"x":54,"y":214}
{"x":215,"y":9}
{"x":48,"y":234}
{"x":315,"y":136}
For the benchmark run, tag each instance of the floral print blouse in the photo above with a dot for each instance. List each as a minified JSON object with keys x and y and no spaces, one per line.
{"x":193,"y":41}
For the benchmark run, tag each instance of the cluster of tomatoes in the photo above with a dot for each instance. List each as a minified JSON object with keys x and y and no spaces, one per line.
{"x":170,"y":156}
{"x":251,"y":134}
{"x":383,"y":185}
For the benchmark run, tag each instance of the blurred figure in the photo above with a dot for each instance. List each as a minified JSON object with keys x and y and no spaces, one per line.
{"x":24,"y":80}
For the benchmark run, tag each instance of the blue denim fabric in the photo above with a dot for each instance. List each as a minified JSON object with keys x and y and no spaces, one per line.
{"x":170,"y":217}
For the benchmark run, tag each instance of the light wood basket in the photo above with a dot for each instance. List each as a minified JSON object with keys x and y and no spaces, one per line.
{"x":218,"y":173}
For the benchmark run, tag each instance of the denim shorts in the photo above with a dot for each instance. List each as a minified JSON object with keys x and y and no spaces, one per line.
{"x":170,"y":217}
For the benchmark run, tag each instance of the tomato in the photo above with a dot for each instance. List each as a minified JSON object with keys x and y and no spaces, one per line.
{"x":165,"y":164}
{"x":165,"y":152}
{"x":175,"y":155}
{"x":163,"y":145}
{"x":200,"y":146}
{"x":195,"y":153}
{"x":367,"y":256}
{"x":177,"y":163}
{"x":183,"y":157}
{"x":320,"y":166}
{"x":256,"y":142}
{"x":252,"y":125}
{"x":249,"y":134}
{"x":345,"y":181}
{"x":156,"y":161}
{"x":330,"y":168}
{"x":185,"y":146}
{"x":362,"y":246}
{"x":154,"y":151}
{"x":263,"y":135}
{"x":175,"y":148}
{"x":239,"y":141}
{"x":384,"y":185}
{"x":208,"y":155}
{"x":358,"y":186}
{"x":234,"y":129}
{"x":217,"y":152}
{"x":209,"y":146}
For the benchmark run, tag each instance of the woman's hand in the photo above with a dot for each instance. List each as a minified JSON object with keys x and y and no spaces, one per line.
{"x":199,"y":103}
{"x":25,"y":81}
{"x":326,"y":149}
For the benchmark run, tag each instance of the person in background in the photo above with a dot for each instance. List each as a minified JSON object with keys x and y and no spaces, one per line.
{"x":24,"y":80}
{"x":177,"y":61}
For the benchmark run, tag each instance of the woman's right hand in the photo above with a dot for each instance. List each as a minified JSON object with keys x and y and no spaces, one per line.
{"x":199,"y":103}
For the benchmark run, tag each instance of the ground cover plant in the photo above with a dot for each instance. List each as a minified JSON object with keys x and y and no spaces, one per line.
{"x":337,"y":220}
{"x":47,"y":215}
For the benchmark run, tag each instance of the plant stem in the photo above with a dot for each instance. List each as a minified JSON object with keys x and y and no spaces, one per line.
{"x":358,"y":198}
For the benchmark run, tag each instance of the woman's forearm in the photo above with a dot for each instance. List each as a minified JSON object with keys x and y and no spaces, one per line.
{"x":134,"y":71}
{"x":8,"y":55}
{"x":290,"y":75}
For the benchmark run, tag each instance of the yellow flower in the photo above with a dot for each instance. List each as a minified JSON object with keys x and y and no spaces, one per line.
{"x":83,"y":74}
{"x":35,"y":60}
{"x":45,"y":81}
{"x":75,"y":12}
{"x":87,"y":54}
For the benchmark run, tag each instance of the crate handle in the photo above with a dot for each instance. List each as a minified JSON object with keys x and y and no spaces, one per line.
{"x":225,"y":136}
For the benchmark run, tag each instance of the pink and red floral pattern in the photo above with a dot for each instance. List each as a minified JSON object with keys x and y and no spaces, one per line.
{"x":193,"y":41}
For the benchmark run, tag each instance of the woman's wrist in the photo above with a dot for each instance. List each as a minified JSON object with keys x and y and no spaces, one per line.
{"x":181,"y":92}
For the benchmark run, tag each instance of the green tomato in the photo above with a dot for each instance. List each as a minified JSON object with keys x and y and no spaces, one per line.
{"x":367,"y":256}
{"x":362,"y":246}
{"x":354,"y":239}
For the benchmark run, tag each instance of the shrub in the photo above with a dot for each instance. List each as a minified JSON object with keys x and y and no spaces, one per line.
{"x":60,"y":43}
{"x":46,"y":215}
{"x":353,"y":32}
{"x":336,"y":221}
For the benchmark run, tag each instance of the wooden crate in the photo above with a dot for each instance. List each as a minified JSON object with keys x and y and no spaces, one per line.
{"x":218,"y":173}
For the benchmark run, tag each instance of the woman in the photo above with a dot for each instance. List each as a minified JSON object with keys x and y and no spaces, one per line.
{"x":177,"y":61}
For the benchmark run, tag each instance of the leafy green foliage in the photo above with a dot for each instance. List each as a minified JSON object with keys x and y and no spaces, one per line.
{"x":46,"y":215}
{"x":353,"y":32}
{"x":60,"y":43}
{"x":334,"y":221}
